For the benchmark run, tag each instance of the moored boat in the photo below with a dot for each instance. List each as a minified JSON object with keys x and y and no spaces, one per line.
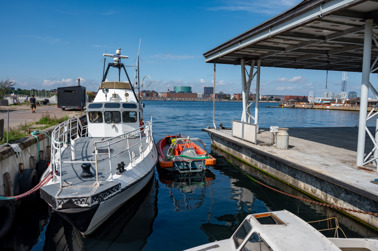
{"x":282,"y":230}
{"x":183,"y":154}
{"x":98,"y":166}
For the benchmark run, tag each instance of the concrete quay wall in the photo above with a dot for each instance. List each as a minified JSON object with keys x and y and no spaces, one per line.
{"x":316,"y":184}
{"x":10,"y":162}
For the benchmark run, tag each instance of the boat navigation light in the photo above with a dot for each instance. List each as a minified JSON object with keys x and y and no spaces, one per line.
{"x":118,"y":52}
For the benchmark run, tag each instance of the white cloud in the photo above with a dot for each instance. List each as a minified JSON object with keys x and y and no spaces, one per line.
{"x":64,"y":81}
{"x":270,"y":7}
{"x":296,"y":79}
{"x":202,"y":81}
{"x":172,"y":57}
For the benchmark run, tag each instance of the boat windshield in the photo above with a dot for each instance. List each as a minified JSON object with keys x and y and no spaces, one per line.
{"x":95,"y":117}
{"x":255,"y":242}
{"x":129,"y":117}
{"x":112,"y":117}
{"x":242,"y":233}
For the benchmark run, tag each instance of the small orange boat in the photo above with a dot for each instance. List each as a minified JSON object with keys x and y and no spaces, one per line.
{"x":183,"y":155}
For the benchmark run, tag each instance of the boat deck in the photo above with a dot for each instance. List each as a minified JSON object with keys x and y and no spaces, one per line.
{"x":73,"y":185}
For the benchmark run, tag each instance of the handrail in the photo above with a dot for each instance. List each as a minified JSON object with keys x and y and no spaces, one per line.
{"x":71,"y":129}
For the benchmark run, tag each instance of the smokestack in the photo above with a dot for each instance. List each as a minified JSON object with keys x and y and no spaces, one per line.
{"x":78,"y":81}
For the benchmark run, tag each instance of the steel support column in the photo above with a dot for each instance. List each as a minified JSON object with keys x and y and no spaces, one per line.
{"x":257,"y":92}
{"x":244,"y":91}
{"x":364,"y":91}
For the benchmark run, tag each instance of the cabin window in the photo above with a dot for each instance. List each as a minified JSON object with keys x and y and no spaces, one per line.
{"x":126,"y":105}
{"x":242,"y":233}
{"x":95,"y":117}
{"x":129,"y":117}
{"x":112,"y":117}
{"x":112,"y":105}
{"x":95,"y":105}
{"x":255,"y":242}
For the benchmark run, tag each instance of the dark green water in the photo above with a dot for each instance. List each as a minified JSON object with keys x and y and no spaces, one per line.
{"x":179,"y":212}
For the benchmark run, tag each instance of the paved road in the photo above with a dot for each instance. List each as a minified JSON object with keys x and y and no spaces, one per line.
{"x":20,"y":115}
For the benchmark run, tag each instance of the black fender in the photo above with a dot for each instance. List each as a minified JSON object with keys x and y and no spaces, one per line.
{"x":8,"y":213}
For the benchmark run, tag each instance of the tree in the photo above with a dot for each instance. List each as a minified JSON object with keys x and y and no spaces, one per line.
{"x":5,"y":88}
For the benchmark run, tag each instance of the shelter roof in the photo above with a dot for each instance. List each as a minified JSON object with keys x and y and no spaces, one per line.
{"x":315,"y":34}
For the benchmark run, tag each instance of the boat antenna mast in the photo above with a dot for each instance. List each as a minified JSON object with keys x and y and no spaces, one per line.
{"x":137,"y":73}
{"x":117,"y":64}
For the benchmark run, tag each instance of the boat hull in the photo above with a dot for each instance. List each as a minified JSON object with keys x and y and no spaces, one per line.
{"x":87,"y":221}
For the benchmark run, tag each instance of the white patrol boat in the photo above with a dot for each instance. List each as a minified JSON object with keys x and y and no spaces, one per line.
{"x":97,"y":166}
{"x":284,"y":231}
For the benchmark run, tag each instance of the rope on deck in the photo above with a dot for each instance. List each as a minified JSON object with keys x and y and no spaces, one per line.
{"x":299,"y":198}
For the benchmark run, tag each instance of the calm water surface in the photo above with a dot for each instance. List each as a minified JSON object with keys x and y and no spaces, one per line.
{"x":176,"y":212}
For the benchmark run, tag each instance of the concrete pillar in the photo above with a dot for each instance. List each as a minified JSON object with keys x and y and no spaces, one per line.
{"x":364,"y":91}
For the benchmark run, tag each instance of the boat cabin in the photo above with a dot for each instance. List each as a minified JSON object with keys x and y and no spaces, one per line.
{"x":114,"y":111}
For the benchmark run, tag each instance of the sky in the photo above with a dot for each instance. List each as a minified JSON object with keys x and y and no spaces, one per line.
{"x":50,"y":44}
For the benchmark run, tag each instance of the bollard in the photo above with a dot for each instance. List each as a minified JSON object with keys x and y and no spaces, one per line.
{"x":282,"y":138}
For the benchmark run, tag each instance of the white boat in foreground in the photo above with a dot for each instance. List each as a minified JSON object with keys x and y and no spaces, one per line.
{"x":282,"y":230}
{"x":95,"y":168}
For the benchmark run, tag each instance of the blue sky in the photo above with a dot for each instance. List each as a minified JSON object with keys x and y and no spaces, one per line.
{"x":48,"y":44}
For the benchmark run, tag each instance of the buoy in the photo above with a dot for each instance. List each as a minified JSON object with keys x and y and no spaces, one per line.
{"x":7,"y":212}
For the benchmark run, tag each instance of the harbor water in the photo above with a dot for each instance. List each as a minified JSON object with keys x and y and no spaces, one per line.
{"x":175,"y":212}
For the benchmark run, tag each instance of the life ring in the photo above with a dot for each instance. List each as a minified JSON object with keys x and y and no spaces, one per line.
{"x":27,"y":180}
{"x":8,"y":213}
{"x":41,"y":167}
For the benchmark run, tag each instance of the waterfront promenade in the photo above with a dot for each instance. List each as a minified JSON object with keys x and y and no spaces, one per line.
{"x":21,"y":115}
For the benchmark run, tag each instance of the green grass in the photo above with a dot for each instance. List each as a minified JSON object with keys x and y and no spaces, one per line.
{"x":20,"y":132}
{"x":50,"y":121}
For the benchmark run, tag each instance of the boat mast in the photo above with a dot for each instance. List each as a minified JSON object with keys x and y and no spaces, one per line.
{"x":138,"y":79}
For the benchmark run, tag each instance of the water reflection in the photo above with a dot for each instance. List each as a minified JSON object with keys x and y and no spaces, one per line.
{"x":253,"y":198}
{"x":127,"y":229}
{"x":27,"y":226}
{"x":187,"y":190}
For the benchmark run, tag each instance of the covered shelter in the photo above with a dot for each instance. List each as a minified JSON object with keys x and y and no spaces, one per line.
{"x":337,"y":35}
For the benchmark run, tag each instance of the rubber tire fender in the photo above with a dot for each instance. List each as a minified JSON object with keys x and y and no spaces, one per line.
{"x":41,"y":167}
{"x":28,"y":179}
{"x":8,"y":213}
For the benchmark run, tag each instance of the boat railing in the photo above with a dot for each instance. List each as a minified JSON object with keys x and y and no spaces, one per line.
{"x":135,"y":143}
{"x":63,"y":138}
{"x":329,"y":225}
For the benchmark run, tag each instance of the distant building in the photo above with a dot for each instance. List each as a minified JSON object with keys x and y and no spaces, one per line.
{"x":149,"y":94}
{"x":237,"y":96}
{"x":207,"y":91}
{"x":328,"y":95}
{"x":302,"y":99}
{"x":183,"y":89}
{"x":272,"y":97}
{"x":179,"y":95}
{"x":221,"y":95}
{"x":352,"y":94}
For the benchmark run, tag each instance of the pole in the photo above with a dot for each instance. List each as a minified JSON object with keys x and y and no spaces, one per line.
{"x":8,"y":129}
{"x":215,"y":127}
{"x":244,"y":94}
{"x":364,"y":91}
{"x":257,"y":92}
